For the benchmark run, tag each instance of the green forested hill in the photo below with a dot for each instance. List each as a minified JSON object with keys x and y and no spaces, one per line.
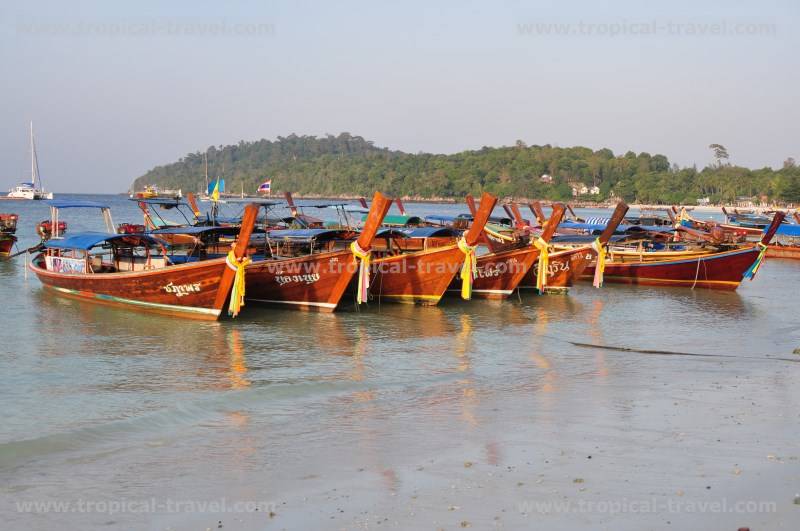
{"x":351,"y":165}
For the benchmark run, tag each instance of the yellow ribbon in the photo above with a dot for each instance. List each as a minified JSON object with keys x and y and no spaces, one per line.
{"x":237,"y":290}
{"x":600,"y":268}
{"x":544,"y":264}
{"x":468,"y":270}
{"x":753,"y":269}
{"x":363,"y":271}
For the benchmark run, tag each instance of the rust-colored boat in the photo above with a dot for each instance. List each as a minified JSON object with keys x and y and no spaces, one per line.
{"x":723,"y":270}
{"x":499,"y":273}
{"x":8,"y":226}
{"x":133,"y":271}
{"x":777,"y":250}
{"x":316,"y":281}
{"x":567,"y":265}
{"x":422,"y":277}
{"x":787,"y":241}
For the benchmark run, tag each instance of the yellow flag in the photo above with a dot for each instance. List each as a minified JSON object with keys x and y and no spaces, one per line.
{"x":215,"y":192}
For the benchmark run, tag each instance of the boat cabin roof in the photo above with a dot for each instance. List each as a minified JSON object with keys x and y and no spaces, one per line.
{"x":582,"y":238}
{"x":390,"y":232}
{"x":399,"y":220}
{"x":166,"y":202}
{"x":300,"y":235}
{"x":322,"y":205}
{"x":69,"y":203}
{"x":86,"y":240}
{"x":201,"y":229}
{"x":431,"y":232}
{"x":789,"y":230}
{"x":260,"y":201}
{"x":499,"y":220}
{"x":622,"y":228}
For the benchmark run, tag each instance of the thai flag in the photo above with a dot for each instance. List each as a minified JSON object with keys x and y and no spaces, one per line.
{"x":265,"y":187}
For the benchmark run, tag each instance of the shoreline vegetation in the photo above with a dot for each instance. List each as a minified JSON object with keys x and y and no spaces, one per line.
{"x":348,"y":167}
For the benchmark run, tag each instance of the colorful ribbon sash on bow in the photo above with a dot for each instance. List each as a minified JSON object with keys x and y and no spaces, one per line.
{"x":544,"y":264}
{"x":364,"y":258}
{"x":753,"y":269}
{"x":600,"y":268}
{"x":468,"y":270}
{"x":237,"y":290}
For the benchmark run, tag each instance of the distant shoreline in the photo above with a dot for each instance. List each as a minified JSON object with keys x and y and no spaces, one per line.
{"x":545,"y":202}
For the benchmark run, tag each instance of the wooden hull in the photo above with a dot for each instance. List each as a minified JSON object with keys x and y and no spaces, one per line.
{"x":314,"y":282}
{"x":749,"y":230}
{"x":656,"y":256}
{"x":6,"y":244}
{"x":500,"y":273}
{"x":416,"y":278}
{"x":184,"y":290}
{"x":722,"y":271}
{"x":565,"y":267}
{"x":784,"y":251}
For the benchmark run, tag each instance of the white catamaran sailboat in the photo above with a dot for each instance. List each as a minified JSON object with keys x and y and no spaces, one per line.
{"x":34,"y":188}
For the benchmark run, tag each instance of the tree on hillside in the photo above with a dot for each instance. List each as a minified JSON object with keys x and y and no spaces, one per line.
{"x":720,"y":153}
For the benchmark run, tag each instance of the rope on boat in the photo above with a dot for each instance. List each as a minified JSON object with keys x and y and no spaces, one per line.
{"x":753,"y":269}
{"x":237,"y":290}
{"x":544,"y":264}
{"x":696,"y":273}
{"x":600,"y":268}
{"x":364,"y":257}
{"x":469,"y":269}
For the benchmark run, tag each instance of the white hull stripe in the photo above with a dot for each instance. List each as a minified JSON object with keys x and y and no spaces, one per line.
{"x":298,"y":303}
{"x":171,"y":307}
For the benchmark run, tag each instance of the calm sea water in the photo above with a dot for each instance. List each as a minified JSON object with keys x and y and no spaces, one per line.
{"x":399,"y":416}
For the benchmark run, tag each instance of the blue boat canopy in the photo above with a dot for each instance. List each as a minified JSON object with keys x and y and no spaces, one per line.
{"x":389,"y":232}
{"x":87,"y":240}
{"x":437,"y":218}
{"x":160,"y":201}
{"x":306,"y":234}
{"x":789,"y":230}
{"x":431,"y":232}
{"x":68,"y":203}
{"x":261,"y":201}
{"x":622,"y":228}
{"x":322,"y":205}
{"x":582,"y":238}
{"x":194,"y":230}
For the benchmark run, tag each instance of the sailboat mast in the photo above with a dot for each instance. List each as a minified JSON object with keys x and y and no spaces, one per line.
{"x":205,"y":160}
{"x":35,"y":178}
{"x":33,"y":159}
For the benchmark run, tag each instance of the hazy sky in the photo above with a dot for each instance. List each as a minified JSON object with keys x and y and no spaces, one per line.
{"x":115,"y":90}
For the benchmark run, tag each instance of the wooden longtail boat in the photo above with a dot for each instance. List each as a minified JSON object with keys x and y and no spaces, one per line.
{"x":777,"y":250}
{"x":722,"y":270}
{"x":499,"y":273}
{"x":315,"y":281}
{"x":422,"y":277}
{"x":567,"y":265}
{"x":8,"y":226}
{"x":787,"y":244}
{"x":7,"y":242}
{"x":133,"y":271}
